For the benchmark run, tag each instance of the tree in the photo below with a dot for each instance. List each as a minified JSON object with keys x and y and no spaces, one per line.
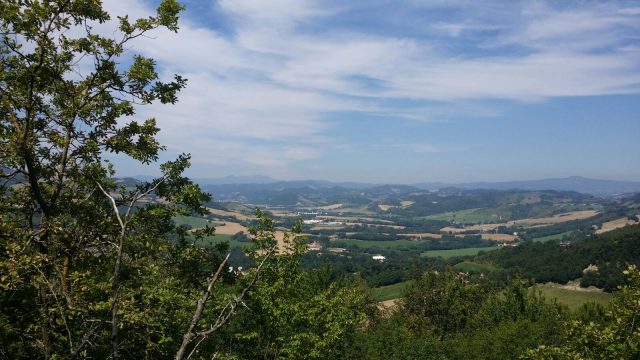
{"x":617,"y":337}
{"x":87,"y":269}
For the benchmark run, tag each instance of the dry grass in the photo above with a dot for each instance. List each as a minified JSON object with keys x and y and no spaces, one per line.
{"x":531,"y":222}
{"x":499,"y":237}
{"x":385,"y":207}
{"x":419,"y":236}
{"x":388,"y":304}
{"x":352,"y":218}
{"x":615,"y":224}
{"x":479,"y":227}
{"x":560,"y":218}
{"x":406,"y":203}
{"x":330,"y":207}
{"x":229,"y":228}
{"x":237,"y":215}
{"x":328,"y":227}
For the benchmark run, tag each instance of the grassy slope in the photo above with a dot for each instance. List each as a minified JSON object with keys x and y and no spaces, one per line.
{"x":389,"y":292}
{"x":457,"y":252}
{"x":553,"y":237}
{"x":572,"y":298}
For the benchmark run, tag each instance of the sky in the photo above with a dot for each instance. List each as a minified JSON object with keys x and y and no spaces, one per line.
{"x":399,"y":91}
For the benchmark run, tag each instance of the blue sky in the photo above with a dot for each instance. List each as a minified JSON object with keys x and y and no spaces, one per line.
{"x":401,"y":91}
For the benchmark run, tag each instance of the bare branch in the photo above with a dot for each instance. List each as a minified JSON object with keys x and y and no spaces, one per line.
{"x":190,"y":334}
{"x":228,"y":311}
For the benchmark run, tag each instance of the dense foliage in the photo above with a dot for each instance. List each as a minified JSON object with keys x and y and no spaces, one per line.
{"x":561,"y":262}
{"x":91,"y":267}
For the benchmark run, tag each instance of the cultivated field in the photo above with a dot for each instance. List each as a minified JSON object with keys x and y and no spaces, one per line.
{"x":531,"y":222}
{"x":499,"y":237}
{"x":330,"y":207}
{"x":229,"y":228}
{"x":420,"y":236}
{"x":615,"y":224}
{"x":559,"y":218}
{"x":237,"y":215}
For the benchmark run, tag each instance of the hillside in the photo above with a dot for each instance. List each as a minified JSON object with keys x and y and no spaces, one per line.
{"x":598,"y":259}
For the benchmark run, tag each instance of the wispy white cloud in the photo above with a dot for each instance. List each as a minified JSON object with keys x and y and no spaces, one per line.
{"x":284,"y":69}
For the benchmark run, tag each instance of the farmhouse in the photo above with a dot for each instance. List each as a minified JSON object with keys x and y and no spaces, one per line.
{"x":379,"y":258}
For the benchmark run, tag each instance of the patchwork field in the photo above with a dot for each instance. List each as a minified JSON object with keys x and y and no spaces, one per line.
{"x":529,"y":222}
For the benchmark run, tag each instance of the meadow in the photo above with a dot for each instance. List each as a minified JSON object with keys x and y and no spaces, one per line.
{"x":572,"y":298}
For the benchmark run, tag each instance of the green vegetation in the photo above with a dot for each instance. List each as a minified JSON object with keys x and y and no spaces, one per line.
{"x":473,"y":267}
{"x":559,"y":236}
{"x":467,"y":216}
{"x":446,"y":254}
{"x":389,"y":292}
{"x":554,"y":262}
{"x":574,"y":299}
{"x":95,"y":268}
{"x":192,"y":221}
{"x":367,"y":244}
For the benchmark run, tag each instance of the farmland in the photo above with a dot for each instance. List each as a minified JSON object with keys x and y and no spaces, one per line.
{"x":446,"y":254}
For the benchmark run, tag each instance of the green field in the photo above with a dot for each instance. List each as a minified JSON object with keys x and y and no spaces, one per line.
{"x":467,"y":216}
{"x":193,"y":221}
{"x":446,"y":254}
{"x":367,"y":244}
{"x":553,"y":237}
{"x":389,"y":292}
{"x":210,"y":240}
{"x":572,"y":298}
{"x":472,"y":267}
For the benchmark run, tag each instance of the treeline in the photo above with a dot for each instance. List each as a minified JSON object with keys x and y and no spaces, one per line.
{"x":561,"y":262}
{"x":444,"y":315}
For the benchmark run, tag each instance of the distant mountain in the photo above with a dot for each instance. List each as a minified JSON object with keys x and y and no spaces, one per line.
{"x":580,"y":184}
{"x":257,"y":183}
{"x":233,"y":179}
